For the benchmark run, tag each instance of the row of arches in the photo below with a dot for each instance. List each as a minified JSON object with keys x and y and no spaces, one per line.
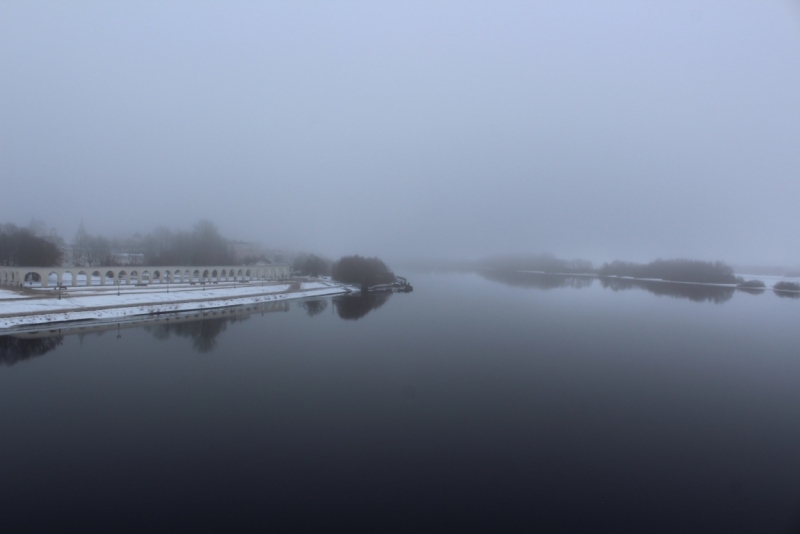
{"x":36,"y":277}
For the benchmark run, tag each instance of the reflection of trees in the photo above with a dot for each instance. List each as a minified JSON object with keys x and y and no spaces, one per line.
{"x":15,"y":349}
{"x":315,"y":307}
{"x":536,"y":280}
{"x":203,"y":332}
{"x":355,"y":307}
{"x":751,"y":290}
{"x":787,"y":294}
{"x":693,"y":292}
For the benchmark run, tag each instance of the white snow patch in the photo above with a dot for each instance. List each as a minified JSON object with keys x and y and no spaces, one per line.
{"x":143,"y":302}
{"x":6,"y":294}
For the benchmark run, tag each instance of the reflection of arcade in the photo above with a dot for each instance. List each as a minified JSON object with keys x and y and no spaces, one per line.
{"x":355,"y":307}
{"x":202,"y":332}
{"x":14,"y":349}
{"x":203,"y":326}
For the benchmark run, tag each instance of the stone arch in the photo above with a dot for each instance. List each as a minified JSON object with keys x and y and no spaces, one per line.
{"x":196,"y":276}
{"x":32,"y":277}
{"x":247,"y":274}
{"x":100,"y":278}
{"x":108,"y":276}
{"x":68,"y":280}
{"x":214,"y":276}
{"x":157,"y":276}
{"x":122,"y":275}
{"x":145,"y":278}
{"x":57,"y":278}
{"x":82,"y":276}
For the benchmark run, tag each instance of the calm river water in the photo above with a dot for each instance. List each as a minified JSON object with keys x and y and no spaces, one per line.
{"x":474,"y":403}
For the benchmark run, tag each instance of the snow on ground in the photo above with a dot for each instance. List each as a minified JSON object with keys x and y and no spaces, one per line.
{"x":38,"y":310}
{"x":6,"y":294}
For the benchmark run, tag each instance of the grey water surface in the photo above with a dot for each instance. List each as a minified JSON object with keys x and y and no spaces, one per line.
{"x":475,"y":403}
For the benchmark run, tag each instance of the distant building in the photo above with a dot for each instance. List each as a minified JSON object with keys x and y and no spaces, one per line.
{"x":242,"y":250}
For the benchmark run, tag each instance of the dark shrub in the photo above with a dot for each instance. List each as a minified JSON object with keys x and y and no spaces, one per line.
{"x":365,"y":272}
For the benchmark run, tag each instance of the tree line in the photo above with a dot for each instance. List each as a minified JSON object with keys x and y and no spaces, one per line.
{"x":203,"y":245}
{"x":20,"y":246}
{"x":33,"y":246}
{"x":676,"y":270}
{"x":703,"y":272}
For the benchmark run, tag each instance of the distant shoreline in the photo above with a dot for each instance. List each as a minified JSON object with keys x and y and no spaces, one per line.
{"x":693,"y":290}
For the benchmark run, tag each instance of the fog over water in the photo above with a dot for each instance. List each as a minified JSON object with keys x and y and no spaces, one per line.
{"x":411,"y":130}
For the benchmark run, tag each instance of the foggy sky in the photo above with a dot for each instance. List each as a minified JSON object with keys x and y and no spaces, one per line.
{"x":601,"y":130}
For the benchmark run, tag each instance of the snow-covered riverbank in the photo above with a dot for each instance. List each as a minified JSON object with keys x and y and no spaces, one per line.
{"x":18,"y":310}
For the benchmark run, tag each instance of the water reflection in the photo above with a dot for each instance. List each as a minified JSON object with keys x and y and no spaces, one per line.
{"x":15,"y":349}
{"x":751,"y":290}
{"x":315,"y":307}
{"x":354,"y":307}
{"x":536,"y":280}
{"x":203,"y":332}
{"x":203,"y":328}
{"x":693,"y":292}
{"x":788,"y":294}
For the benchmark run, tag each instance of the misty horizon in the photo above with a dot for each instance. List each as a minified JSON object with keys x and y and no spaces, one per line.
{"x":411,"y":131}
